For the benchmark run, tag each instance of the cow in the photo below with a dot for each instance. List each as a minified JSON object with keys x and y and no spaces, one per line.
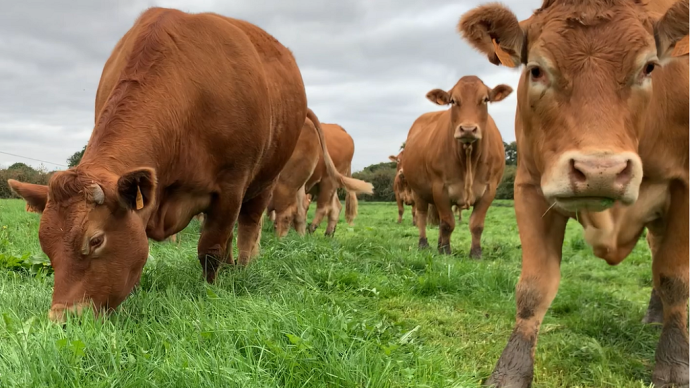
{"x":193,"y":113}
{"x":31,"y":209}
{"x":199,"y":217}
{"x":403,"y":194}
{"x":602,"y":133}
{"x":288,"y":203}
{"x":456,"y":157}
{"x":324,"y":188}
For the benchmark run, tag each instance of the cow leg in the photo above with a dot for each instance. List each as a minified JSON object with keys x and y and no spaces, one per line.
{"x":655,"y":309}
{"x":323,"y":203}
{"x":300,"y":218}
{"x":481,"y":207}
{"x":542,"y":242}
{"x":216,"y":233}
{"x":446,"y":219}
{"x":414,"y":215}
{"x":249,"y":226}
{"x":670,"y":271}
{"x":421,"y":214}
{"x":333,"y":215}
{"x":401,"y":207}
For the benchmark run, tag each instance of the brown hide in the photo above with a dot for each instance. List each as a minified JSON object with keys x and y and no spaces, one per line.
{"x":403,"y":194}
{"x":194,"y":113}
{"x":288,"y":194}
{"x":455,"y":157}
{"x":341,"y":148}
{"x":602,"y":134}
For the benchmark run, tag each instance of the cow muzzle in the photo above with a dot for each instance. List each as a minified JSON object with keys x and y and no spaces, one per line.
{"x":58,"y":312}
{"x":593,"y":181}
{"x":467,"y":133}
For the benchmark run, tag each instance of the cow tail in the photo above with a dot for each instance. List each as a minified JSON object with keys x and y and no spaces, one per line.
{"x":349,"y":184}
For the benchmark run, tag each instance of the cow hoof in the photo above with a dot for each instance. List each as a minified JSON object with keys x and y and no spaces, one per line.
{"x":311,"y":229}
{"x":476,"y":253}
{"x":653,"y":318}
{"x":671,"y":369}
{"x":444,"y":249}
{"x":670,"y":376}
{"x":423,"y":243}
{"x":494,"y":382}
{"x":399,"y":221}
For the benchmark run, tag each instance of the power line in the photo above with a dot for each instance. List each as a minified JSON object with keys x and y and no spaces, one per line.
{"x":36,"y":160}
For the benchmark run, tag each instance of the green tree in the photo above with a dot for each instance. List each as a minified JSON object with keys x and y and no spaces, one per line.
{"x":20,"y":166}
{"x":75,"y":158}
{"x":511,"y":153}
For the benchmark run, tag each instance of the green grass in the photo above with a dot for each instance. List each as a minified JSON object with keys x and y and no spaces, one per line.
{"x":365,"y":309}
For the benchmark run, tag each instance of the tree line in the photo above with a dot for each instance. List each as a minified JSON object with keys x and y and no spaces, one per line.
{"x":381,"y":175}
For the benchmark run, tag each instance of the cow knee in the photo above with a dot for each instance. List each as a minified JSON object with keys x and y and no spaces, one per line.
{"x":477,"y":230}
{"x":527,"y":298}
{"x":672,"y":290}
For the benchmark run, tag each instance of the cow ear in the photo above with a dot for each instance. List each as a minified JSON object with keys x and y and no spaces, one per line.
{"x":671,"y":32}
{"x":495,"y":31}
{"x":439,"y":97}
{"x":393,"y":159}
{"x":500,"y":92}
{"x":137,"y":188}
{"x":35,"y":196}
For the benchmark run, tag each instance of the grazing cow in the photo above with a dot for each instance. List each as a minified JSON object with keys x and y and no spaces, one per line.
{"x":288,"y":203}
{"x":194,"y":113}
{"x":31,"y":209}
{"x":341,"y":148}
{"x":403,"y":194}
{"x":456,"y":157}
{"x":601,"y":121}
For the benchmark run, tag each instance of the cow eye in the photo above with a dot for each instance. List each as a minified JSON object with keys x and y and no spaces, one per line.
{"x":96,"y":241}
{"x":485,"y":100}
{"x":649,"y":68}
{"x":452,"y":101}
{"x":536,"y":73}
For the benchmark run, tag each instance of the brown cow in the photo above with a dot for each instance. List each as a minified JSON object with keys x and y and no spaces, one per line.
{"x":403,"y":193}
{"x":288,"y":202}
{"x":456,"y":157}
{"x":341,"y":148}
{"x":194,"y":113}
{"x":199,"y":217}
{"x":602,"y":119}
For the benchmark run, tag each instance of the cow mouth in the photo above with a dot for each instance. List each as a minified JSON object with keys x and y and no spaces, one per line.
{"x":588,"y":203}
{"x":467,"y":139}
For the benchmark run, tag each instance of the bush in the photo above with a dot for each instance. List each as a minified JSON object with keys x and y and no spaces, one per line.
{"x":506,"y":187}
{"x":22,"y":173}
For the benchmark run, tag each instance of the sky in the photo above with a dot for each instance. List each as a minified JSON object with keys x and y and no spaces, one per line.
{"x":367,"y":65}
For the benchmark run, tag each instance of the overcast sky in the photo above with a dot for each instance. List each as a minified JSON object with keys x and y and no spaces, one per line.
{"x":367,"y":65}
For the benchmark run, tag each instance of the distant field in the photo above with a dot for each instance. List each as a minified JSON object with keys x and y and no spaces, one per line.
{"x":365,"y":309}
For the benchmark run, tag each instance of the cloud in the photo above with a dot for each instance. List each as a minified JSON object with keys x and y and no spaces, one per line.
{"x":367,"y":65}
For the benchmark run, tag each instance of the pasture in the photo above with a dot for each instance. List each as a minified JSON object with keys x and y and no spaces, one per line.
{"x":364,"y":309}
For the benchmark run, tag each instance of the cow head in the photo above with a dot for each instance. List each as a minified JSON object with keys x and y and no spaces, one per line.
{"x":584,"y":90}
{"x":469,"y":100}
{"x":93,"y":230}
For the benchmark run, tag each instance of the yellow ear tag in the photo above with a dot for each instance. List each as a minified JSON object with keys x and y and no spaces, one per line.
{"x":140,"y":199}
{"x":503,"y":56}
{"x":681,"y":47}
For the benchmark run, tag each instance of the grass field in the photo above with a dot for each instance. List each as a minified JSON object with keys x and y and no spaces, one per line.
{"x":364,"y":309}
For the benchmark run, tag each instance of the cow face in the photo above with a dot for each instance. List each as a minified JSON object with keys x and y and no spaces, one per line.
{"x":93,"y":231}
{"x":469,"y":100}
{"x":584,"y":90}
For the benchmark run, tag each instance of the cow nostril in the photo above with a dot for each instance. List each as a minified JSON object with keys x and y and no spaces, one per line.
{"x":625,"y":175}
{"x":575,"y":173}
